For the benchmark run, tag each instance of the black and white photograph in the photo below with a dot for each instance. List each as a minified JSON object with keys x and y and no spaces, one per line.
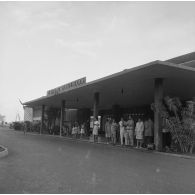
{"x":97,"y":97}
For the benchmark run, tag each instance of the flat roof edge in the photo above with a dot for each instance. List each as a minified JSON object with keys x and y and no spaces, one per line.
{"x":126,"y":71}
{"x":100,"y":79}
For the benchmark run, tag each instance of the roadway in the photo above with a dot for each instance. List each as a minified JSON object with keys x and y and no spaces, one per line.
{"x":48,"y":164}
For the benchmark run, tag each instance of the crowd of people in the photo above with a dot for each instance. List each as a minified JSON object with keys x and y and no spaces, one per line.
{"x":126,"y":132}
{"x":137,"y":134}
{"x":78,"y":131}
{"x":129,"y":131}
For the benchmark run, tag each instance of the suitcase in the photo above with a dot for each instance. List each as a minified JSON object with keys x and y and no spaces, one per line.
{"x":150,"y":146}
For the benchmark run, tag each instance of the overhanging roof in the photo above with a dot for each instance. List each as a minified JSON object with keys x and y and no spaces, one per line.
{"x":136,"y":83}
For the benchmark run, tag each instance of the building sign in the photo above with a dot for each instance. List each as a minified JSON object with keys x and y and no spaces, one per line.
{"x":66,"y":87}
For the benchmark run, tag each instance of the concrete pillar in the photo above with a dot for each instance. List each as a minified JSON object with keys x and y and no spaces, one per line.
{"x":42,"y":118}
{"x":62,"y":115}
{"x":95,"y":104}
{"x":158,"y":97}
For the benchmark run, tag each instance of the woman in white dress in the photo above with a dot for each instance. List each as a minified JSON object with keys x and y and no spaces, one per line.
{"x":82,"y":130}
{"x":139,"y":131}
{"x":108,"y":130}
{"x":95,"y":129}
{"x":74,"y":131}
{"x":122,"y":130}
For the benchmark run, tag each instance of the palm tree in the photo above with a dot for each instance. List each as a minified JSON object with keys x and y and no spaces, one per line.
{"x":180,"y":121}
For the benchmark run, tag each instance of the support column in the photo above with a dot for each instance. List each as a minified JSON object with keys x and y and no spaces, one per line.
{"x":158,"y":97}
{"x":95,"y":104}
{"x":42,"y":118}
{"x":62,"y":116}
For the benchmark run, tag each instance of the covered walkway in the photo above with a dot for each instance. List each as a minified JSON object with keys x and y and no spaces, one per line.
{"x":136,"y":87}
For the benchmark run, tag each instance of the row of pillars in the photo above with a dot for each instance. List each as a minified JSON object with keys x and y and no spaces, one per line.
{"x":158,"y":97}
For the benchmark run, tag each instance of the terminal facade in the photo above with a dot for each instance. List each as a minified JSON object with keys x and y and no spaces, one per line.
{"x":129,"y":92}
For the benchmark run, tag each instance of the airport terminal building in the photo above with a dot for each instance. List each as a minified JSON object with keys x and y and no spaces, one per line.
{"x":129,"y":92}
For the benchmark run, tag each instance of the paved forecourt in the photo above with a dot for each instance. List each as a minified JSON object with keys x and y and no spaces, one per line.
{"x":47,"y":164}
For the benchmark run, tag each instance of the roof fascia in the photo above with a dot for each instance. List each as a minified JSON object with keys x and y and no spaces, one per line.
{"x":126,"y":71}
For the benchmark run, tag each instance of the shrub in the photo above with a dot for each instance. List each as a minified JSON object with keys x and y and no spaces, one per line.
{"x":18,"y":125}
{"x":180,"y":120}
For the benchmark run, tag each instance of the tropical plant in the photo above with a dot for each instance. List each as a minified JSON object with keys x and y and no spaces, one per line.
{"x":180,"y":120}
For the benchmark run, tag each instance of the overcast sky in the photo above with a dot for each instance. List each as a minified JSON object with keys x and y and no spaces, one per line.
{"x":47,"y":44}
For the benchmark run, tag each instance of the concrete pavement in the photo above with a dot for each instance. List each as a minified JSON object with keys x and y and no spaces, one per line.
{"x":46,"y":164}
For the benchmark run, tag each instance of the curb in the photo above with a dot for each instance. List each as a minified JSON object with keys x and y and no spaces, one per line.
{"x":4,"y":152}
{"x":120,"y":147}
{"x":175,"y":155}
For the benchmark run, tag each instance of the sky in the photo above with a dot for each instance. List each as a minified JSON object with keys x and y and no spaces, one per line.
{"x":47,"y":44}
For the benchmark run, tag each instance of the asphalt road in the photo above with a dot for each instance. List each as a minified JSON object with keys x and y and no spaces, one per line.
{"x":47,"y":164}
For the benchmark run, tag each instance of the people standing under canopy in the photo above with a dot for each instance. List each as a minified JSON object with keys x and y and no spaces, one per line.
{"x":108,"y":130}
{"x":126,"y":133}
{"x":74,"y":131}
{"x":95,"y":129}
{"x":130,"y":131}
{"x":83,"y":130}
{"x":78,"y":130}
{"x":122,"y":130}
{"x":114,"y":127}
{"x":148,"y":131}
{"x":139,"y":130}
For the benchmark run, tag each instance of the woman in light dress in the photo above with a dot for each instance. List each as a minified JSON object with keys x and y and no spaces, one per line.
{"x":148,"y":131}
{"x":114,"y":127}
{"x":95,"y":129}
{"x":130,"y":131}
{"x":122,"y":130}
{"x":108,"y":130}
{"x":74,"y":131}
{"x":139,"y":131}
{"x":82,"y":130}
